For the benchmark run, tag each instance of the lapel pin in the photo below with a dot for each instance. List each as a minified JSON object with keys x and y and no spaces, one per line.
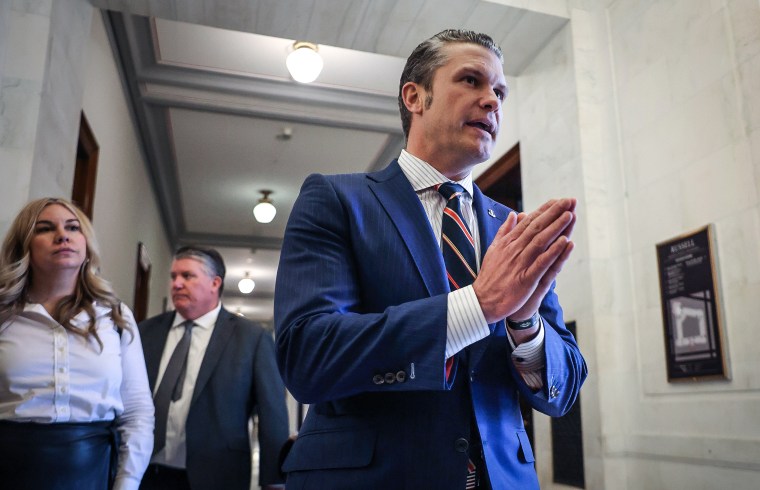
{"x":491,"y":213}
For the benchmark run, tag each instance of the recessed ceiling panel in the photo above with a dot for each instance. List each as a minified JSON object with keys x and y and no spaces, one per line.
{"x":223,"y":161}
{"x":241,"y":53}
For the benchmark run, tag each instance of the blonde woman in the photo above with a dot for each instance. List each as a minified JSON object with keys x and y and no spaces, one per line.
{"x":75,"y":408}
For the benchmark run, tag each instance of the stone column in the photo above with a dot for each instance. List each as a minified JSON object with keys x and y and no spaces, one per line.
{"x":43,"y":49}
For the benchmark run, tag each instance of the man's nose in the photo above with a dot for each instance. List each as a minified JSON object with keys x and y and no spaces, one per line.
{"x":491,"y":101}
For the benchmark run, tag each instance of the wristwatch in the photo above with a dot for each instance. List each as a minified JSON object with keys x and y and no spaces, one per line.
{"x":523,"y":324}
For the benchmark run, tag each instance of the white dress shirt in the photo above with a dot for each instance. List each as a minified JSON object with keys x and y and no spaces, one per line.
{"x":466,"y":323}
{"x":174,"y":452}
{"x":51,"y":375}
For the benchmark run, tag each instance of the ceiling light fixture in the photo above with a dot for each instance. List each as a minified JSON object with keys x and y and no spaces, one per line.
{"x":246,"y":284}
{"x":264,"y":211}
{"x":304,"y":62}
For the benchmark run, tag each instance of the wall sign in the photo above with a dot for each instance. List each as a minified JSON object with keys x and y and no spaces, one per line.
{"x":690,"y":308}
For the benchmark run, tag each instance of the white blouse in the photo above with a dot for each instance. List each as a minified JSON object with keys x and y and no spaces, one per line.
{"x":51,"y":375}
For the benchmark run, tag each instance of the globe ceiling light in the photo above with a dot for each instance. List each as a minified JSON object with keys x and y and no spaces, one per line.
{"x":246,"y":284}
{"x":264,"y":211}
{"x":304,"y":62}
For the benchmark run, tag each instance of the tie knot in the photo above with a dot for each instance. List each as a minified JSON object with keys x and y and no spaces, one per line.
{"x":188,"y":324}
{"x":450,"y":190}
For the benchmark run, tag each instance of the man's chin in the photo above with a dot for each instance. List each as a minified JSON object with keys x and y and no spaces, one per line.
{"x":180,"y":303}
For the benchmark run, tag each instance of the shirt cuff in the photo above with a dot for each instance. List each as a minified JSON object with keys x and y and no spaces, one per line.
{"x":529,"y":358}
{"x":465,"y":323}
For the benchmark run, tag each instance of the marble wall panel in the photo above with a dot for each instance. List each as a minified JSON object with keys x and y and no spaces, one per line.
{"x":19,"y":105}
{"x":27,"y":34}
{"x":703,"y":56}
{"x":718,"y":185}
{"x":645,"y":97}
{"x":61,"y":100}
{"x":743,"y":19}
{"x":14,"y":183}
{"x":749,"y":95}
{"x":41,"y":7}
{"x":655,"y":214}
{"x":125,"y":209}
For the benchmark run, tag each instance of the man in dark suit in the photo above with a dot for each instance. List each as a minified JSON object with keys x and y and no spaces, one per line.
{"x":410,"y":342}
{"x":210,"y":372}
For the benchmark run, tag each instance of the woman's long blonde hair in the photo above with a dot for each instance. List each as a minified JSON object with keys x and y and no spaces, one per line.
{"x":16,"y":275}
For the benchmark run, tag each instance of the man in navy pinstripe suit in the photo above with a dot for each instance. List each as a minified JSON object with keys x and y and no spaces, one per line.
{"x":366,"y":319}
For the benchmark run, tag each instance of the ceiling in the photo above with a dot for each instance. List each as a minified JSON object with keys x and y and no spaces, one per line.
{"x":220,"y":118}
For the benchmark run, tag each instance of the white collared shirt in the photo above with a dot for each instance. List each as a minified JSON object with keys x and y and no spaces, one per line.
{"x":175,"y":451}
{"x":51,"y":375}
{"x":466,"y":323}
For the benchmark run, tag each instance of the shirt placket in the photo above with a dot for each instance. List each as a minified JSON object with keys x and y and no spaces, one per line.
{"x":62,"y":381}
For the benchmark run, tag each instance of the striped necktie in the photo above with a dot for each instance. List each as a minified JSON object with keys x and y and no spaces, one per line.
{"x":458,"y":247}
{"x":457,"y":244}
{"x":456,"y":240}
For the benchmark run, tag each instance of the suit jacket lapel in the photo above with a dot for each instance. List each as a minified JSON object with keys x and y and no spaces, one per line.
{"x":396,"y":195}
{"x":223,"y":330}
{"x":490,"y":217}
{"x":154,"y":341}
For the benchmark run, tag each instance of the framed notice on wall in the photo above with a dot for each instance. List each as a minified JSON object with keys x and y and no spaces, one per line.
{"x":691,"y":308}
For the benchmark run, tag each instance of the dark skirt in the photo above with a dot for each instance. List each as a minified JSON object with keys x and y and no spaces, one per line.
{"x":78,"y":456}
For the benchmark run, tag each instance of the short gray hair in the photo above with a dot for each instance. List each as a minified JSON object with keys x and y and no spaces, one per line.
{"x":211,"y":259}
{"x":429,"y":56}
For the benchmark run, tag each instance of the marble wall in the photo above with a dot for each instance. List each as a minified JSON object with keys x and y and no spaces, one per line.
{"x":649,"y":112}
{"x":40,"y":98}
{"x":686,"y":79}
{"x":550,"y":151}
{"x":45,"y":68}
{"x":125,"y":210}
{"x":24,"y":31}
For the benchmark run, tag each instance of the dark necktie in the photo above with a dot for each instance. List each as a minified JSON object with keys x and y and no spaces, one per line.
{"x":457,"y":243}
{"x":170,"y":389}
{"x":458,"y":247}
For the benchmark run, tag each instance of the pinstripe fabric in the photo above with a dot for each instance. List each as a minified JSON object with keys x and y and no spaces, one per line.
{"x":466,"y":323}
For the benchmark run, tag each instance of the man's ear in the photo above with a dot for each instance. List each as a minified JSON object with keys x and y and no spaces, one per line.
{"x":217,"y":282}
{"x":413,"y":97}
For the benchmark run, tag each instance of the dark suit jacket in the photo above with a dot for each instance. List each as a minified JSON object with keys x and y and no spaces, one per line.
{"x":362,"y":295}
{"x":238,"y":377}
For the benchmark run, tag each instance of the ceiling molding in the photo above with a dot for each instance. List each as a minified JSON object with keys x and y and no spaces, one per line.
{"x":151,"y":136}
{"x":226,"y":240}
{"x":267,"y":109}
{"x":255,"y":295}
{"x":314,"y":96}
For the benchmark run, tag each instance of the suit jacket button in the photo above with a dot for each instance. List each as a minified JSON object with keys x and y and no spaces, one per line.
{"x":461,"y":445}
{"x":378,"y":379}
{"x":401,"y":376}
{"x":390,"y":378}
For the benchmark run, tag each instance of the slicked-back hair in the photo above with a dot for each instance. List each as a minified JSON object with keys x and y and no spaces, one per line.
{"x":428,"y":56}
{"x":211,"y":259}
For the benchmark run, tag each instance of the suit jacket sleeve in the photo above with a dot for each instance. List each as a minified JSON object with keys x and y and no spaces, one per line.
{"x":271,"y":409}
{"x":565,"y":369}
{"x":333,"y":334}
